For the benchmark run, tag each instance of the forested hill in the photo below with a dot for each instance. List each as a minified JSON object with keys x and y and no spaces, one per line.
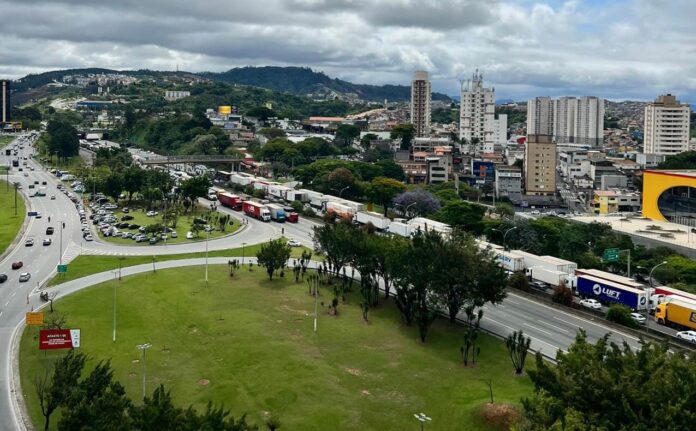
{"x":303,"y":80}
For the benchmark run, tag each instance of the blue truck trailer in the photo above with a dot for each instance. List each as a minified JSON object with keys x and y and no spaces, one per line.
{"x":609,"y":292}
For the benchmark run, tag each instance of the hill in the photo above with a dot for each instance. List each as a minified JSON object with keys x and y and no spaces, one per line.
{"x":305,"y":81}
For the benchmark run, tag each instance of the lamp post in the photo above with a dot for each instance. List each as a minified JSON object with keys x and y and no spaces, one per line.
{"x":16,"y":186}
{"x":407,"y":207}
{"x":505,"y":235}
{"x":422,"y":418}
{"x":116,"y":273}
{"x":340,"y":192}
{"x":207,"y":237}
{"x":60,"y":249}
{"x":650,"y":293}
{"x":143,"y":348}
{"x":650,"y":277}
{"x":243,"y":245}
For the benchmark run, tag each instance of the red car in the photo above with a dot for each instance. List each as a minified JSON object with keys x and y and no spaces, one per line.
{"x":17,"y":265}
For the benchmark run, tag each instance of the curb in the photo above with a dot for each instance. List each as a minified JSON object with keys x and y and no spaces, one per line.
{"x":22,"y":230}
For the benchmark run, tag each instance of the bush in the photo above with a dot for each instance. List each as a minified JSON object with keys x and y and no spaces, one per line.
{"x":297,"y":206}
{"x":562,"y":295}
{"x":519,"y":281}
{"x":622,"y":315}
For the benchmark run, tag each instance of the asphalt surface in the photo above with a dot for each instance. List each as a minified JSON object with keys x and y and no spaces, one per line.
{"x":550,"y":328}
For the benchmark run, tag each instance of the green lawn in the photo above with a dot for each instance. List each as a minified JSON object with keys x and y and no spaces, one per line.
{"x":183,"y":226}
{"x":86,"y":264}
{"x":248,"y":343}
{"x":6,"y":140}
{"x":9,"y":224}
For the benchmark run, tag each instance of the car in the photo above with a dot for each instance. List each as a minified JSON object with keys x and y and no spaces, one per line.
{"x":25,"y":276}
{"x":174,"y":234}
{"x":591,"y":303}
{"x":3,"y":278}
{"x":125,"y":210}
{"x":153,"y":240}
{"x":89,"y":237}
{"x":53,"y":197}
{"x":126,"y":217}
{"x":189,"y":235}
{"x":687,"y":335}
{"x":133,"y":226}
{"x":36,"y":182}
{"x":17,"y":265}
{"x":26,"y":174}
{"x":151,"y":213}
{"x":638,"y":318}
{"x":140,"y":238}
{"x":294,"y":243}
{"x":538,"y":285}
{"x":47,"y":241}
{"x":43,"y":183}
{"x":49,"y":230}
{"x":29,"y":242}
{"x":38,"y":215}
{"x":122,"y":225}
{"x":127,"y":235}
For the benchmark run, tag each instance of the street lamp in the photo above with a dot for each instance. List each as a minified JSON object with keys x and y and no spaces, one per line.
{"x":60,"y":250}
{"x":650,"y":277}
{"x":422,"y":418}
{"x":340,"y":192}
{"x":505,"y":235}
{"x":650,"y":293}
{"x":116,"y":275}
{"x":143,"y":348}
{"x":207,"y":237}
{"x":407,"y":207}
{"x":243,"y":245}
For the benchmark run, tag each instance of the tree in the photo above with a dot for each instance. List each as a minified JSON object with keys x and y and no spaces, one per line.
{"x":622,"y":315}
{"x":202,"y":144}
{"x":346,"y":134}
{"x":340,"y":181}
{"x":57,"y":389}
{"x":469,"y":349}
{"x":273,"y":256}
{"x":129,"y":120}
{"x":391,"y":169}
{"x":113,"y":185}
{"x":335,"y":241}
{"x":518,"y":347}
{"x":605,"y":386}
{"x":366,"y":139}
{"x":383,"y":190}
{"x":133,"y":180}
{"x":272,"y":132}
{"x":62,"y":138}
{"x":462,"y":214}
{"x":261,"y":112}
{"x":157,"y":412}
{"x":419,"y":203}
{"x":195,"y":187}
{"x":404,"y":132}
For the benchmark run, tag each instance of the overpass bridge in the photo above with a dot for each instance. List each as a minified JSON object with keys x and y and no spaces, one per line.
{"x":233,"y":161}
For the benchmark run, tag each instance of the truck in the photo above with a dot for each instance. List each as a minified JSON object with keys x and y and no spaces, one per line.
{"x":549,"y":276}
{"x":611,"y":292}
{"x":509,"y":260}
{"x":425,"y":224}
{"x":277,"y":213}
{"x":378,"y":220}
{"x":548,"y":262}
{"x":678,"y":312}
{"x":400,"y":228}
{"x":625,"y":281}
{"x":278,"y":190}
{"x":41,"y":191}
{"x":292,"y":217}
{"x":340,"y":210}
{"x":256,"y":210}
{"x":295,"y":195}
{"x":229,"y":200}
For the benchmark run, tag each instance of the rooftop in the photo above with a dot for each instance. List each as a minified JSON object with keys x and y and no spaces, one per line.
{"x":679,"y":173}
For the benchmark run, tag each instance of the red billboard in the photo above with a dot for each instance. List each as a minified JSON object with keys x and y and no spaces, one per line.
{"x":59,"y":339}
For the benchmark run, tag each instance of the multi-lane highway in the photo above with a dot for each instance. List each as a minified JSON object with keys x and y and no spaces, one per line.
{"x":550,"y":328}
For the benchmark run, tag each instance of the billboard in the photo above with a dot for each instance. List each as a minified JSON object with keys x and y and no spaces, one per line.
{"x":59,"y":339}
{"x":483,"y":170}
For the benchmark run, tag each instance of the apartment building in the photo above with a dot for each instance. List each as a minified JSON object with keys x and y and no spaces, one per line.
{"x":615,"y":200}
{"x":477,"y":115}
{"x":568,"y":119}
{"x":564,"y":109}
{"x":508,"y":182}
{"x":540,"y":116}
{"x":172,"y":95}
{"x":589,"y":121}
{"x":540,"y":165}
{"x":666,"y":126}
{"x":5,"y":101}
{"x":420,"y":103}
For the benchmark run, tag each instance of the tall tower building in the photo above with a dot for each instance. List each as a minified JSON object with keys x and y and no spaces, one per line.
{"x":420,"y":103}
{"x":477,"y":115}
{"x":540,"y":165}
{"x":540,"y":116}
{"x":4,"y":101}
{"x":564,"y":111}
{"x":589,"y":121}
{"x":666,"y":126}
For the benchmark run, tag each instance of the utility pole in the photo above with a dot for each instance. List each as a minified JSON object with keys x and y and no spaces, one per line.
{"x":143,"y":348}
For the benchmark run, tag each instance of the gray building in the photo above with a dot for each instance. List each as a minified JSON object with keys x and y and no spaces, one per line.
{"x":5,"y":101}
{"x":508,"y":182}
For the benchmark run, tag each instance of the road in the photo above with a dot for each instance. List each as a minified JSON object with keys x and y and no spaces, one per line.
{"x":550,"y":328}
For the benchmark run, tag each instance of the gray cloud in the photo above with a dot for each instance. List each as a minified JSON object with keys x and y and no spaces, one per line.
{"x":623,"y":49}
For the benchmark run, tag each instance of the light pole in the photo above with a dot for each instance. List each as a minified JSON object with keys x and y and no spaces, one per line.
{"x":16,"y":186}
{"x":143,"y":348}
{"x":340,"y":192}
{"x":113,"y":338}
{"x":505,"y":235}
{"x":243,"y":245}
{"x":650,"y":293}
{"x":207,"y":237}
{"x":407,"y":207}
{"x":60,"y":249}
{"x":422,"y":418}
{"x":650,"y":277}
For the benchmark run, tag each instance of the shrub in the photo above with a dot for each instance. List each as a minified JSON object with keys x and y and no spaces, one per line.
{"x":562,"y":295}
{"x":622,"y":315}
{"x":519,"y":281}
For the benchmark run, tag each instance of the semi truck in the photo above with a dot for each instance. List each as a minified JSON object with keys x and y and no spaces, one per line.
{"x":677,"y":311}
{"x":399,"y":228}
{"x":509,"y":260}
{"x":277,"y":213}
{"x":229,"y":200}
{"x":549,"y":276}
{"x":295,"y":195}
{"x":611,"y":292}
{"x":425,"y":224}
{"x":549,"y":262}
{"x":339,"y":210}
{"x":378,"y":220}
{"x":625,"y":281}
{"x":256,"y":210}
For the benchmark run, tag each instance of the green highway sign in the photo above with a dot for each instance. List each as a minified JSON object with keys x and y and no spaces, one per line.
{"x":61,"y":269}
{"x":611,"y":255}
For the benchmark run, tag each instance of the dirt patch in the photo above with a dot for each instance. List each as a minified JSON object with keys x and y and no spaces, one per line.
{"x":353,"y":371}
{"x":500,"y":417}
{"x":204,"y":382}
{"x":292,"y":310}
{"x":194,"y":331}
{"x":279,"y":321}
{"x":365,"y":392}
{"x":135,"y":361}
{"x":132,"y":375}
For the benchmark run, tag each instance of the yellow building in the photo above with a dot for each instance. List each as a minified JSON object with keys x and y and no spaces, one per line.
{"x":224,"y":110}
{"x":670,"y":196}
{"x":613,"y":201}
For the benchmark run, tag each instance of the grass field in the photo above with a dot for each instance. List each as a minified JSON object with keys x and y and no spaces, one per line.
{"x":6,"y":140}
{"x":86,"y":264}
{"x":248,"y":343}
{"x":182,"y":227}
{"x":9,"y":224}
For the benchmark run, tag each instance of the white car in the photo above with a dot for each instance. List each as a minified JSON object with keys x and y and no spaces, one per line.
{"x":174,"y":234}
{"x":687,"y":335}
{"x":591,"y":303}
{"x":89,"y":237}
{"x":294,"y":243}
{"x":638,"y":318}
{"x":151,"y":213}
{"x":189,"y":235}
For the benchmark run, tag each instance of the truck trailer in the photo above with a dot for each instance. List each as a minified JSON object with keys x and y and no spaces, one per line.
{"x":678,"y":312}
{"x":611,"y":292}
{"x":277,"y":213}
{"x":548,"y":276}
{"x":229,"y":200}
{"x":399,"y":228}
{"x":378,"y":220}
{"x":256,"y":210}
{"x":549,"y":262}
{"x":425,"y":224}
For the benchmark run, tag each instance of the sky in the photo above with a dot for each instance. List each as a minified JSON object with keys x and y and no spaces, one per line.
{"x":617,"y":49}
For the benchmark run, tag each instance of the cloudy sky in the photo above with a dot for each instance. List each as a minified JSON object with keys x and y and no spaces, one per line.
{"x":618,"y":49}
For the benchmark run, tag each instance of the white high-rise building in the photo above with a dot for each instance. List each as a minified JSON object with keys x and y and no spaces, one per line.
{"x":500,"y":127}
{"x":589,"y":121}
{"x":564,"y":111}
{"x":420,"y":103}
{"x":540,"y":116}
{"x":666,"y":126}
{"x":477,"y":114}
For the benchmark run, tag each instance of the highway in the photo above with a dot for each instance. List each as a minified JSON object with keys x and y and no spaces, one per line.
{"x":549,"y":327}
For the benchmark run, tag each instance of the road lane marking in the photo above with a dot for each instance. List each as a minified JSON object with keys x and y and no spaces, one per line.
{"x":551,"y":325}
{"x":536,"y":329}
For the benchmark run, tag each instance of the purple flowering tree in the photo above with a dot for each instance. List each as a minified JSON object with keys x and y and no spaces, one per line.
{"x":416,"y":203}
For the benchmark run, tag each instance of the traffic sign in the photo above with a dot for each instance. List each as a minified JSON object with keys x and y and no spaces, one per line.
{"x":35,"y":318}
{"x":61,"y":269}
{"x":59,"y":339}
{"x":611,"y":255}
